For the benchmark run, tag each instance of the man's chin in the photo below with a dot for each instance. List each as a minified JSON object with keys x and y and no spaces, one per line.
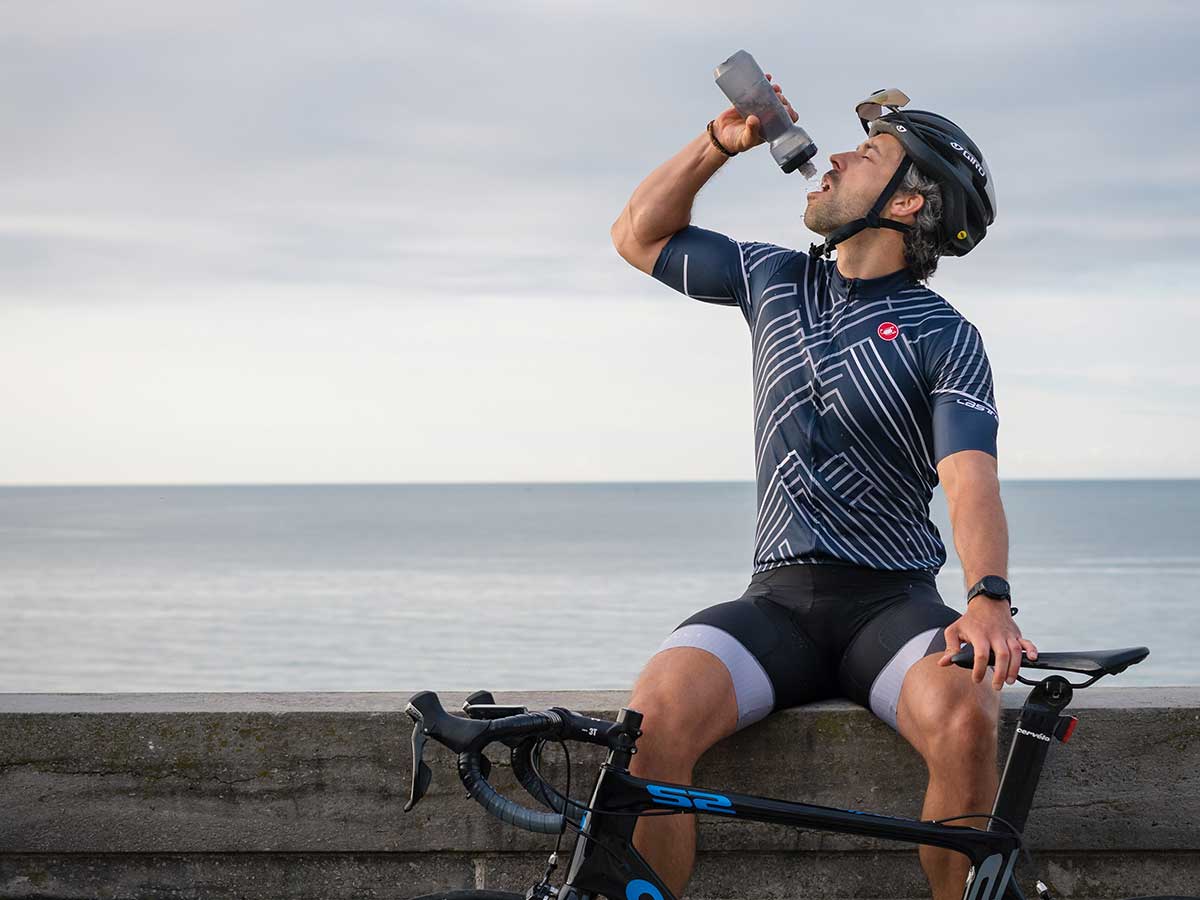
{"x":819,"y":221}
{"x":816,"y":226}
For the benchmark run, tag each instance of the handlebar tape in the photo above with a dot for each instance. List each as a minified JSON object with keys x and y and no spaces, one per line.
{"x":547,"y":725}
{"x":501,"y":807}
{"x":538,"y":789}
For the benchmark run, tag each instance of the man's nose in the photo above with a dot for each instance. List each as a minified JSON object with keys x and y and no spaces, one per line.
{"x":838,"y":160}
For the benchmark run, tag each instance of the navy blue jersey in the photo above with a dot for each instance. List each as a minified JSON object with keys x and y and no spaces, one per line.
{"x":861,"y":386}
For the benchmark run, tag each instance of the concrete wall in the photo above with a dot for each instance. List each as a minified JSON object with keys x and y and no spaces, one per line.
{"x":301,"y":795}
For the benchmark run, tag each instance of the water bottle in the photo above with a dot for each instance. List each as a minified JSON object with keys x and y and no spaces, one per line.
{"x":749,"y":91}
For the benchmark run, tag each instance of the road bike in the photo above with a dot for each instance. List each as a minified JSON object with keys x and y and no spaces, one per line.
{"x":604,"y":862}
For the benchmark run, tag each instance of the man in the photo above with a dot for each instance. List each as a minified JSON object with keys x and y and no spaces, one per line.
{"x":868,"y":389}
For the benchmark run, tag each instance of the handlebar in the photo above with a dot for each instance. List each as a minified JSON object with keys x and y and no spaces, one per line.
{"x":501,"y":807}
{"x":469,"y":737}
{"x":462,"y":735}
{"x":522,"y":765}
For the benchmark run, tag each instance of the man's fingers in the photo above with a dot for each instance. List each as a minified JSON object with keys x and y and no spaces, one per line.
{"x":1003,"y":658}
{"x":786,"y":103}
{"x":979,"y":672}
{"x":952,"y":644}
{"x":1031,"y":650}
{"x":1014,"y":668}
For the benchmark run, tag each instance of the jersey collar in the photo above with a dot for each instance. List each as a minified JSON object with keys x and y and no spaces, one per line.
{"x":871,"y":288}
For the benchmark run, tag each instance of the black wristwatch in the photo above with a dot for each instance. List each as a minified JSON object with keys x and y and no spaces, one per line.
{"x":992,"y":586}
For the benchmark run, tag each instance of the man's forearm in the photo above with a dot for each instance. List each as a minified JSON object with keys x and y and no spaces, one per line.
{"x":980,"y":532}
{"x":662,"y":204}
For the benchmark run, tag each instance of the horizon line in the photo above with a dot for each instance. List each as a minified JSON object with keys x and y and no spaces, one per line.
{"x":551,"y":483}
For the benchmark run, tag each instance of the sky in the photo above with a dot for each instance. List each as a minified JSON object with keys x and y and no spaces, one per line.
{"x":369,"y":242}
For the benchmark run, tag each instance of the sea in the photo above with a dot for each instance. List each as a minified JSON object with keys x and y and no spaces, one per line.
{"x":502,"y":586}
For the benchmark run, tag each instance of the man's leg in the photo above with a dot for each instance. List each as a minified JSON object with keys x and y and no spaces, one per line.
{"x":951,"y":721}
{"x":687,"y":698}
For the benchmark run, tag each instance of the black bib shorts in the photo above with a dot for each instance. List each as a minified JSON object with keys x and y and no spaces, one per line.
{"x":803,"y":633}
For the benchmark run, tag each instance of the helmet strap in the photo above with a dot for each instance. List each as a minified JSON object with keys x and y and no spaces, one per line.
{"x":872,"y":219}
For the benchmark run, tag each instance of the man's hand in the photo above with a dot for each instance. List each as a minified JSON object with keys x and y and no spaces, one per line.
{"x":988,"y":626}
{"x":738,"y":134}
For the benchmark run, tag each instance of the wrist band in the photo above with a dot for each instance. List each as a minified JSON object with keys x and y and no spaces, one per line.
{"x":712,"y":137}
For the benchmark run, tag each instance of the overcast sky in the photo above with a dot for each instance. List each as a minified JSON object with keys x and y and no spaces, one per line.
{"x":292,"y":242}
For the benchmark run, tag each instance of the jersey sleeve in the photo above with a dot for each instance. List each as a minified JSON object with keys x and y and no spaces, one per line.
{"x":962,"y":396}
{"x":708,"y":266}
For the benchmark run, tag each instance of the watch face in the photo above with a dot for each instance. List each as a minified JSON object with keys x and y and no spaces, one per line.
{"x":995,"y":585}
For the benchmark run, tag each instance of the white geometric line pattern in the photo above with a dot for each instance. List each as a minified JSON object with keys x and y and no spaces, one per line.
{"x":860,"y":388}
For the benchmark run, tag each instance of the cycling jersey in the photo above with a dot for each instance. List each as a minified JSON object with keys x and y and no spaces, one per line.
{"x":861,"y":386}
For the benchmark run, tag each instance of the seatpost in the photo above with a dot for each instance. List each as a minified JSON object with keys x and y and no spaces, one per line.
{"x":1038,"y":724}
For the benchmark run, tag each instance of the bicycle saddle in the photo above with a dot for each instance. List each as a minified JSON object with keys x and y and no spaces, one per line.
{"x":1085,"y":662}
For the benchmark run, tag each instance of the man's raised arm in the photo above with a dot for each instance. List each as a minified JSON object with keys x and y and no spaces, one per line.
{"x":662,"y":204}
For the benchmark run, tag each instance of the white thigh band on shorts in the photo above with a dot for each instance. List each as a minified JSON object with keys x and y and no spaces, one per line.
{"x":751,"y":686}
{"x":885,"y":690}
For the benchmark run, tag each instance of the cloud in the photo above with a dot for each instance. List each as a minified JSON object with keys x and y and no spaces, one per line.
{"x":295,"y":142}
{"x":411,"y":156}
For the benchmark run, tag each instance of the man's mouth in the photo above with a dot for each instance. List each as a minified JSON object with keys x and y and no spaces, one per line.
{"x":825,"y":186}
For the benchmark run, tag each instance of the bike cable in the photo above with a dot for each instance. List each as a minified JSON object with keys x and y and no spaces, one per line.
{"x":619,"y":857}
{"x":535,"y":758}
{"x":1007,"y":824}
{"x":587,"y":808}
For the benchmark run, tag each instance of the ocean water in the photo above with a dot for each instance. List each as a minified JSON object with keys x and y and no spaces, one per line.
{"x":361,"y":588}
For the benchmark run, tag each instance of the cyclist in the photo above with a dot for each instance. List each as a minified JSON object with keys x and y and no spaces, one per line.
{"x":869,"y":388}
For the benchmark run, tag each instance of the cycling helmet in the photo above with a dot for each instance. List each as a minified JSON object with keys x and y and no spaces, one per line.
{"x":941,"y":151}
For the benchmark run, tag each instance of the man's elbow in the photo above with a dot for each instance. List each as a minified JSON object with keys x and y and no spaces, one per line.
{"x":639,"y":254}
{"x":620,"y":232}
{"x":624,"y":235}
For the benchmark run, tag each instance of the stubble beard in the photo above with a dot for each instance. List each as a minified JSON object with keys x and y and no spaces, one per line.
{"x":827,"y":215}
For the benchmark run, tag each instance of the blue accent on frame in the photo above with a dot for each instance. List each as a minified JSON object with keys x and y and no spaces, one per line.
{"x":670,"y":796}
{"x":639,"y":888}
{"x":685,"y":798}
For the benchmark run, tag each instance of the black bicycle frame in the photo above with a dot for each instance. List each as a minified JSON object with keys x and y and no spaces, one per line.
{"x":605,"y":863}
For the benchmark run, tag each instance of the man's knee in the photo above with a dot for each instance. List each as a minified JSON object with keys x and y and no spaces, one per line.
{"x":964,"y":732}
{"x":687,"y":701}
{"x":954,"y":721}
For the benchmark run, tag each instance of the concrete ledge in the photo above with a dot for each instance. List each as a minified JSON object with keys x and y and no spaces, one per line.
{"x":300,"y":795}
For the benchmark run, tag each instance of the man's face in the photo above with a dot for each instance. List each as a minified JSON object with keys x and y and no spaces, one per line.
{"x":851,"y":187}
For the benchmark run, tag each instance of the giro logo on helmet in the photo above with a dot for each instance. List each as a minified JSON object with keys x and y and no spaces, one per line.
{"x":888,"y":331}
{"x":969,"y":157}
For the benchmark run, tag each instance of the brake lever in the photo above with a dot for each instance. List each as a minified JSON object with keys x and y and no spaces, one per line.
{"x":421,"y":773}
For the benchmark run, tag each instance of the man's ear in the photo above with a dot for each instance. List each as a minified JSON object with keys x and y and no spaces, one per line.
{"x":905,"y":205}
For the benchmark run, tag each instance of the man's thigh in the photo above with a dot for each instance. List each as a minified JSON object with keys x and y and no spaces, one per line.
{"x":687,"y":698}
{"x":879,"y":661}
{"x":768,"y":661}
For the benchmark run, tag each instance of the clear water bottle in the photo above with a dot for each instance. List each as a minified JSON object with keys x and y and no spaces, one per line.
{"x":749,"y":91}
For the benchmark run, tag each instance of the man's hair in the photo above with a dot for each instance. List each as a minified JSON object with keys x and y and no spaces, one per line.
{"x":923,"y":242}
